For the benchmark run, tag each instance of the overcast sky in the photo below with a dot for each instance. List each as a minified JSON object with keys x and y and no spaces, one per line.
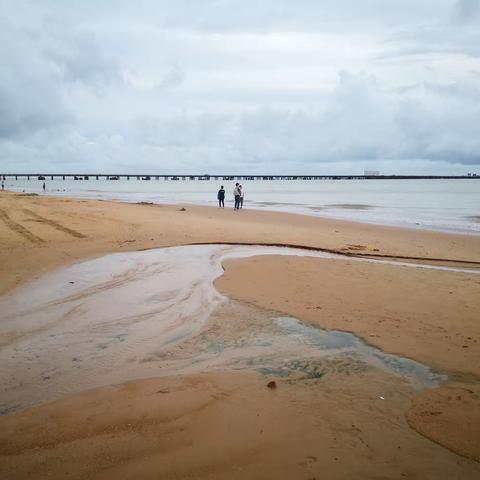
{"x":274,"y":86}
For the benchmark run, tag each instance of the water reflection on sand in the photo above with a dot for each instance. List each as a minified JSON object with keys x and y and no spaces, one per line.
{"x":141,"y":314}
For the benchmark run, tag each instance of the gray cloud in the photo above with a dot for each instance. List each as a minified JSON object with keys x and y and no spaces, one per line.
{"x":38,"y":66}
{"x":455,"y":32}
{"x":29,"y":97}
{"x":466,"y":11}
{"x":194,"y":85}
{"x":359,"y":122}
{"x":79,"y":58}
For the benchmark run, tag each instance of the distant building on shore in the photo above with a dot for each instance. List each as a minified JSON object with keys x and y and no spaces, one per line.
{"x":371,"y":173}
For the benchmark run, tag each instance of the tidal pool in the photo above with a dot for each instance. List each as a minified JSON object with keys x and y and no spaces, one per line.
{"x":141,"y":314}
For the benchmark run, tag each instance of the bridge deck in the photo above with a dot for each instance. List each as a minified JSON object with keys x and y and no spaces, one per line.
{"x":69,"y":176}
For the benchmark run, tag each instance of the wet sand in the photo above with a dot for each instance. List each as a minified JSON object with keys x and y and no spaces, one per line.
{"x":338,"y":409}
{"x":228,"y":426}
{"x":429,"y":315}
{"x":143,"y":314}
{"x":40,"y":233}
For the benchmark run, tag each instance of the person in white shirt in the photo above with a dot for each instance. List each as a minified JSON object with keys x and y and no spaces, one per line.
{"x":237,"y":191}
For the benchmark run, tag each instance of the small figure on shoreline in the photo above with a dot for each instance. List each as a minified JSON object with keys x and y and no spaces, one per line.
{"x":221,"y":197}
{"x":3,"y":185}
{"x":44,"y":186}
{"x":237,"y":192}
{"x":242,"y":193}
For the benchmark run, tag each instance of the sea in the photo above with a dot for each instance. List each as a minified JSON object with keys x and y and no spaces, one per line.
{"x":434,"y":204}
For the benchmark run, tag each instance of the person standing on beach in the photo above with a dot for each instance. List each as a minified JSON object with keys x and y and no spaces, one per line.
{"x":44,"y":186}
{"x":3,"y":185}
{"x":221,"y":197}
{"x":237,"y":191}
{"x":242,"y":193}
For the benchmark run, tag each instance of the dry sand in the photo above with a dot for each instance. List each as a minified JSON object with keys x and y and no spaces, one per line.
{"x":230,"y":425}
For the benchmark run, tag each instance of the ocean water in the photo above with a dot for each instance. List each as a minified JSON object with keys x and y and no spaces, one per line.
{"x":448,"y":205}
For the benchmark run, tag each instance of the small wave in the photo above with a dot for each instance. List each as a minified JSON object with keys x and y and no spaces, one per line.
{"x":351,"y":206}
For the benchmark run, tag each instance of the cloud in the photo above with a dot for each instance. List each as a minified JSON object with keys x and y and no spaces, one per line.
{"x":359,"y":123}
{"x":466,"y":11}
{"x":170,"y":76}
{"x":29,"y":94}
{"x":187,"y":85}
{"x":79,"y":57}
{"x":38,"y":67}
{"x":456,"y":31}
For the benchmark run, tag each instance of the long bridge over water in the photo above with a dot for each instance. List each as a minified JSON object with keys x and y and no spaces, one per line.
{"x":206,"y":177}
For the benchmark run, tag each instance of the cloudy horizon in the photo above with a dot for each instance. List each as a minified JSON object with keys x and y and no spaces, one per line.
{"x":238,"y":87}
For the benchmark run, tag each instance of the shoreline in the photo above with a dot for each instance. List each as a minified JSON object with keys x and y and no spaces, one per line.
{"x":42,"y":257}
{"x":305,"y":210}
{"x":146,"y":427}
{"x":290,"y":229}
{"x":401,"y":226}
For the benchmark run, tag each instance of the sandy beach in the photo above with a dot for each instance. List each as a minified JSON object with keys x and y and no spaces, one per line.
{"x":199,"y":406}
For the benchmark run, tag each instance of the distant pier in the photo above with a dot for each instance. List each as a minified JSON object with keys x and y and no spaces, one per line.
{"x":113,"y":177}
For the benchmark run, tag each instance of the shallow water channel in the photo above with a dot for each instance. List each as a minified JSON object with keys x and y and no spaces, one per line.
{"x":150,"y":313}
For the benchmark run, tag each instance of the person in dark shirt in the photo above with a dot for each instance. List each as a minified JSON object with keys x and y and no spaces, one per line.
{"x":221,"y":197}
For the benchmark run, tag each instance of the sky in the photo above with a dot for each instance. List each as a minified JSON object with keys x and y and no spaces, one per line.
{"x":240,"y":86}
